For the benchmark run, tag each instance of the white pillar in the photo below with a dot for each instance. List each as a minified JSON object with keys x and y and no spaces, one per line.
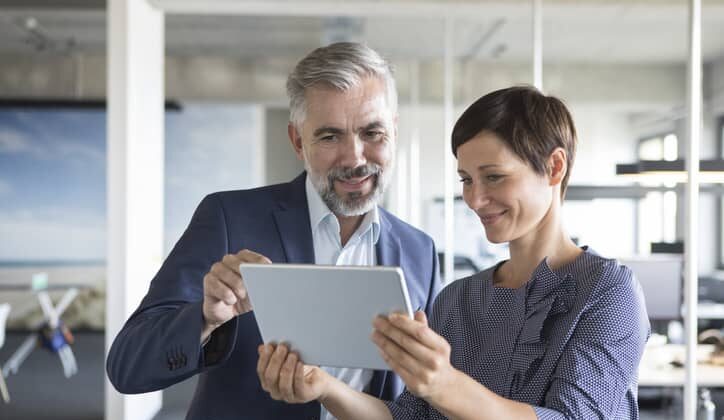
{"x":414,"y":156}
{"x":135,"y":109}
{"x":691,"y":241}
{"x":449,"y":166}
{"x":538,"y":44}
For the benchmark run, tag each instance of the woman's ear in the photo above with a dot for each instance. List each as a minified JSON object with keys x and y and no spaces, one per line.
{"x":557,"y":166}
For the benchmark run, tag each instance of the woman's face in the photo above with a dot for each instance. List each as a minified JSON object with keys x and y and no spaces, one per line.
{"x":510,"y":199}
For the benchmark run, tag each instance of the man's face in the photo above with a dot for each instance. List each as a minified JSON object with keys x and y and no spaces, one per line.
{"x":347,"y":144}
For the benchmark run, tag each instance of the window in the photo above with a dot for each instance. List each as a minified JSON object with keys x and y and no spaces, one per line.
{"x":657,"y":211}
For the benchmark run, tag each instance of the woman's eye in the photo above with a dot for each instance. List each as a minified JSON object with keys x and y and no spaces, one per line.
{"x":466,"y":181}
{"x":494,"y":177}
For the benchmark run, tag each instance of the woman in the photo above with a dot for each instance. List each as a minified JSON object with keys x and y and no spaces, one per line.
{"x":555,"y":332}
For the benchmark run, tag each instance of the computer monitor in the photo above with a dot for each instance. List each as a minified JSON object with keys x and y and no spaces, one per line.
{"x":660,"y":278}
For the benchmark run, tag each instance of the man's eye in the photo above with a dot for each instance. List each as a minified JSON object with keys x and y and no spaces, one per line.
{"x":374,"y":135}
{"x":329,"y":138}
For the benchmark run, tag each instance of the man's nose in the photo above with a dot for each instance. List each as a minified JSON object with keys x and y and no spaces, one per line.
{"x":352,"y":153}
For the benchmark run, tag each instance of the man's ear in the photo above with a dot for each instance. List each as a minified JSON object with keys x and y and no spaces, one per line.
{"x":557,"y":166}
{"x":296,"y":139}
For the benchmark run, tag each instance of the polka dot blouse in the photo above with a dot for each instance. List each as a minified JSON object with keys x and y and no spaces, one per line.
{"x":568,"y":342}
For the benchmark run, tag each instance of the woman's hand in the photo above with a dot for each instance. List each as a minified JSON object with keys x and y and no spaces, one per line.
{"x":286,"y":378}
{"x":416,"y":353}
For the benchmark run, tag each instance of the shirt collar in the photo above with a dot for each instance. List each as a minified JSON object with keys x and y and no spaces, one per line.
{"x":319,"y":212}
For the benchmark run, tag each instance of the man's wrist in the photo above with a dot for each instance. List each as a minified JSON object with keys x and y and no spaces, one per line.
{"x":328,"y":388}
{"x":206,"y":332}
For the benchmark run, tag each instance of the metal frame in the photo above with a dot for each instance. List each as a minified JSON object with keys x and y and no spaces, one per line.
{"x":719,"y":205}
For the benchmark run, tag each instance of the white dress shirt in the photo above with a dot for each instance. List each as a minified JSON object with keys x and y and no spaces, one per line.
{"x":328,"y":250}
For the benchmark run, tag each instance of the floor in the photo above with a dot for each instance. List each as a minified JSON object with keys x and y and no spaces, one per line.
{"x":40,"y":391}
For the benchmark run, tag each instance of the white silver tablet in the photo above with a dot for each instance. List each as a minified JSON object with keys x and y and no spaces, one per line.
{"x":325,"y":313}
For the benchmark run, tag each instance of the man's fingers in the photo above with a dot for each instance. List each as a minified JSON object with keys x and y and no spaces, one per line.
{"x":271,"y":374}
{"x":247,"y":256}
{"x":232,"y":262}
{"x":231,"y":278}
{"x":286,"y":378}
{"x":265,"y":352}
{"x":217,"y":289}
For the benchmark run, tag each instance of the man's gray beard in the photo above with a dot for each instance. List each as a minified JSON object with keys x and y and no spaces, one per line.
{"x":355,"y":204}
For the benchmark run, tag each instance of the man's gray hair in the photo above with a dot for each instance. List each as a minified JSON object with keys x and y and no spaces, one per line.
{"x":341,"y":65}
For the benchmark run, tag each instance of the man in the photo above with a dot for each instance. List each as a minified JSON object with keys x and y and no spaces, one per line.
{"x":196,"y":317}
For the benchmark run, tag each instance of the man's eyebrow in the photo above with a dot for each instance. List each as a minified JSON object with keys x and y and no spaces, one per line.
{"x":328,"y":130}
{"x":373,"y":125}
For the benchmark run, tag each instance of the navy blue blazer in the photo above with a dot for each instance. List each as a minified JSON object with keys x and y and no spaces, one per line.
{"x":159,"y":344}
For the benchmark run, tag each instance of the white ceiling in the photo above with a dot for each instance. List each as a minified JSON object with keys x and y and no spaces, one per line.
{"x":574,"y":31}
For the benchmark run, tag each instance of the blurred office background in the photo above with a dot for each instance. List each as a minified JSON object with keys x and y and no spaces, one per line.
{"x":619,"y":65}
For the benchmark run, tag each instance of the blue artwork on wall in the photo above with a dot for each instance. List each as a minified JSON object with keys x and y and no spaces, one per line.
{"x":53,"y":175}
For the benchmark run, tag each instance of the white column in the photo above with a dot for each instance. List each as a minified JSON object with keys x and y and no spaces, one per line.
{"x":414,"y":156}
{"x":449,"y":166}
{"x":538,"y":44}
{"x":691,"y":241}
{"x":135,"y":109}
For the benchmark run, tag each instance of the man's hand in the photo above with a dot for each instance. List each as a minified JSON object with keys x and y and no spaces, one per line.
{"x":416,"y":353}
{"x":225,"y":295}
{"x":286,"y":378}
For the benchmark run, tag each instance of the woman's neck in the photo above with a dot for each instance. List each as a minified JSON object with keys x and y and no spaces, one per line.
{"x":548,"y":240}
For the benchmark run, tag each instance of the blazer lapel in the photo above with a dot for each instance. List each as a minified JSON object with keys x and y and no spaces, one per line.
{"x":292,"y":220}
{"x":388,"y":245}
{"x":388,"y":254}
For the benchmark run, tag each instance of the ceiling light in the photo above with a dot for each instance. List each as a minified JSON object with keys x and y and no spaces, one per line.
{"x":671,"y":171}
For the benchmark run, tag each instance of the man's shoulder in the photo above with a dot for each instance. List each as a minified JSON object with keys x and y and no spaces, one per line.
{"x":402,"y":228}
{"x":263,"y":196}
{"x":260,"y":192}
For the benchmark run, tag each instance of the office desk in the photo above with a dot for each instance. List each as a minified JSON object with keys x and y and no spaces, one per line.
{"x":708,"y":310}
{"x":656,"y":370}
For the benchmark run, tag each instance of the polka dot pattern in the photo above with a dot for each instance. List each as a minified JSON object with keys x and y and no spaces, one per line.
{"x":568,"y":342}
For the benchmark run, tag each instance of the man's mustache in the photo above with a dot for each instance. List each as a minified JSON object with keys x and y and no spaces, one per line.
{"x":346,"y":173}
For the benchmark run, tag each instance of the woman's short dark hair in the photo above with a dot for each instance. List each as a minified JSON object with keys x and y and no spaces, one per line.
{"x":530,"y":123}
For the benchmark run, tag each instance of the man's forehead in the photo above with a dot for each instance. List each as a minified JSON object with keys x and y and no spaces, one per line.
{"x":358,"y":113}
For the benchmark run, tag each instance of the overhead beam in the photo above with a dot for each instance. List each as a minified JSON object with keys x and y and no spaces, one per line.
{"x":54,"y":5}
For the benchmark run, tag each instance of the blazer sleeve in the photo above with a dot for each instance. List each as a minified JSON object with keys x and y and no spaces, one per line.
{"x":159,"y":345}
{"x":435,"y":282}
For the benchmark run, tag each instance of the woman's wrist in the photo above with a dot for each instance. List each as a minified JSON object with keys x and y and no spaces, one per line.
{"x":455,"y":384}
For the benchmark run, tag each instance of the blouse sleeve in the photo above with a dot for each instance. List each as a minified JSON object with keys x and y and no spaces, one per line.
{"x":408,"y":406}
{"x":600,"y":362}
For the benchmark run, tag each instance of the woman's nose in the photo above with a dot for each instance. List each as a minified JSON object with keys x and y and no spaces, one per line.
{"x":477,"y":196}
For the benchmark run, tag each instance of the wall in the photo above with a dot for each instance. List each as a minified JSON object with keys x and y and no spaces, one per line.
{"x":282,"y":164}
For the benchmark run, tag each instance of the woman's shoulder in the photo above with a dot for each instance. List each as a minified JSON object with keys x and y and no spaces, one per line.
{"x":598,"y":274}
{"x":466,"y":288}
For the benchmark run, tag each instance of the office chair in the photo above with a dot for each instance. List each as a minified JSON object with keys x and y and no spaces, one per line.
{"x":4,"y":312}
